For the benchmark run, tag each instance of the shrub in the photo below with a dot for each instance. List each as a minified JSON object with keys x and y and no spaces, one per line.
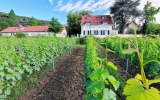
{"x":130,"y":31}
{"x":0,"y":34}
{"x":20,"y":35}
{"x":153,"y":28}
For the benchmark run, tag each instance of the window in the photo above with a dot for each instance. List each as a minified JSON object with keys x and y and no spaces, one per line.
{"x":99,"y":32}
{"x":92,"y":31}
{"x":103,"y":32}
{"x":106,"y":32}
{"x":26,"y":33}
{"x":83,"y":32}
{"x":88,"y":24}
{"x":88,"y":18}
{"x":86,"y":31}
{"x":105,"y":23}
{"x":96,"y":21}
{"x":103,"y":17}
{"x":95,"y":32}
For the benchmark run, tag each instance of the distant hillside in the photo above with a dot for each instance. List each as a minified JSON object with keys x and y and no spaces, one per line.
{"x":23,"y":20}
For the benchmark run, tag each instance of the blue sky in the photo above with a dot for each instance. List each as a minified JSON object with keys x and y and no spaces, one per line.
{"x":46,"y":9}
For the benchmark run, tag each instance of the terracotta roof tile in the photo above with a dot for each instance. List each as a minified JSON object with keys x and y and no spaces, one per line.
{"x":26,"y":29}
{"x":99,"y":19}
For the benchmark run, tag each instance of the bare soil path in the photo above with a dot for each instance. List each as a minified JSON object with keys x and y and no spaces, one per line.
{"x":66,"y":82}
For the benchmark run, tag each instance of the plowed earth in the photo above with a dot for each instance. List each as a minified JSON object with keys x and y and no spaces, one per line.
{"x":66,"y":82}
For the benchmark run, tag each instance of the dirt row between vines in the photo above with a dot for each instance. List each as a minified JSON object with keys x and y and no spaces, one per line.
{"x":66,"y":82}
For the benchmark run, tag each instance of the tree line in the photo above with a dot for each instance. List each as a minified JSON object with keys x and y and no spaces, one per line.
{"x":12,"y":20}
{"x":124,"y":10}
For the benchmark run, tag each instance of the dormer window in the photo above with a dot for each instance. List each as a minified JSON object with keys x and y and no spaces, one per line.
{"x":96,"y":21}
{"x":103,"y":17}
{"x":88,"y":18}
{"x":19,"y":28}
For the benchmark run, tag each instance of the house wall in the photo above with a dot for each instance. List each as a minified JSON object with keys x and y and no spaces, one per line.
{"x":131,"y":26}
{"x":62,"y":34}
{"x":114,"y":31}
{"x":29,"y":34}
{"x":107,"y":30}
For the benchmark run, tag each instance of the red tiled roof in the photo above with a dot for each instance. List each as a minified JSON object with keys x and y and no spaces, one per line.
{"x":25,"y":29}
{"x":98,"y":19}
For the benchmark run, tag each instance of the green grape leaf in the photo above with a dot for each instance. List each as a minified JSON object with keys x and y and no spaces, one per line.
{"x":113,"y":81}
{"x":2,"y":96}
{"x":99,"y":74}
{"x":8,"y":90}
{"x":1,"y":91}
{"x":154,"y":81}
{"x":110,"y":64}
{"x":8,"y":76}
{"x":1,"y":68}
{"x":18,"y":76}
{"x":128,"y":51}
{"x":95,"y":87}
{"x":108,"y":94}
{"x":1,"y":74}
{"x":134,"y":90}
{"x":5,"y":63}
{"x":138,"y":76}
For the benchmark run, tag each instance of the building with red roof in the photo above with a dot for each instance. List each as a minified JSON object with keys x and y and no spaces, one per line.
{"x":99,"y":26}
{"x":63,"y":32}
{"x":29,"y":31}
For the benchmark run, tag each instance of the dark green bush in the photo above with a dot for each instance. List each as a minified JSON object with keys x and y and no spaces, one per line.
{"x":0,"y":34}
{"x":81,"y":40}
{"x":20,"y":35}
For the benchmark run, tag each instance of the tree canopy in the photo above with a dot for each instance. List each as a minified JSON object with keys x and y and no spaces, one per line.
{"x":148,"y":16}
{"x":32,"y":21}
{"x":124,"y":10}
{"x":13,"y":18}
{"x":55,"y":26}
{"x":73,"y":21}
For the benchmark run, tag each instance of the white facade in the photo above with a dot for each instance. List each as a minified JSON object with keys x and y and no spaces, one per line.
{"x":100,"y":30}
{"x":29,"y":34}
{"x":62,"y":34}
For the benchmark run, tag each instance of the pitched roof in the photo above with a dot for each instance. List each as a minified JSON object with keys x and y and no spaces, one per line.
{"x":99,"y":19}
{"x":25,"y":29}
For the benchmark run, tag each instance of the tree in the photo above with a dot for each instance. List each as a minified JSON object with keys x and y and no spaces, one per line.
{"x":13,"y":18}
{"x":124,"y":10}
{"x":74,"y":21}
{"x":153,"y":28}
{"x":5,"y":22}
{"x":32,"y":21}
{"x":55,"y":26}
{"x":148,"y":16}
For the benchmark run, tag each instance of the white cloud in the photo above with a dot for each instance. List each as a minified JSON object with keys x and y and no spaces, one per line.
{"x":51,"y":2}
{"x":108,"y":13}
{"x":96,"y":5}
{"x":92,"y":5}
{"x":60,"y":3}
